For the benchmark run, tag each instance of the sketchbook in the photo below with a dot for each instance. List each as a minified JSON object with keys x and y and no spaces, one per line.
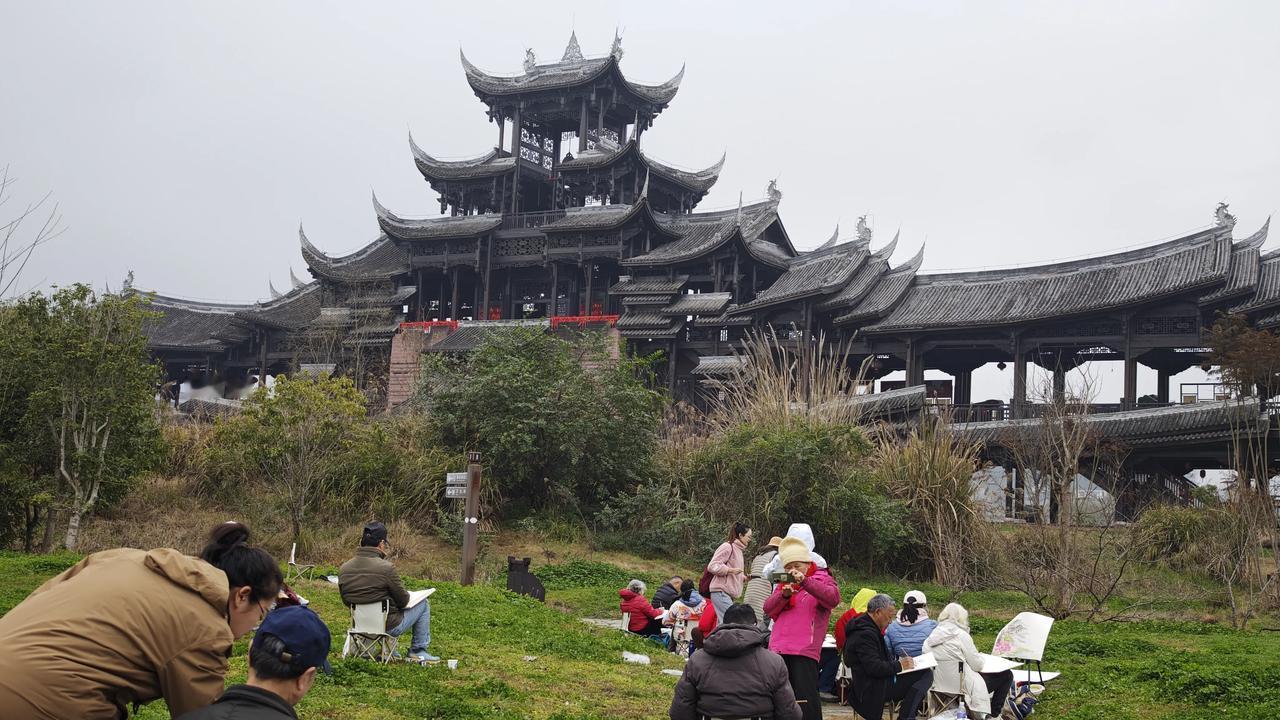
{"x":417,"y":596}
{"x":923,"y":662}
{"x":993,"y":664}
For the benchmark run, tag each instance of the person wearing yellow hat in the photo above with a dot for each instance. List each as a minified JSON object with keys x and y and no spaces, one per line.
{"x":801,"y":612}
{"x":759,"y":586}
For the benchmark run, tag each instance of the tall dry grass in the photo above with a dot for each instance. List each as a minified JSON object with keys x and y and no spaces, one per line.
{"x":779,"y":383}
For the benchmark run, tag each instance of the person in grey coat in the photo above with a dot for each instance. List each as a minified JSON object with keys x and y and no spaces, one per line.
{"x":735,"y":675}
{"x":759,"y":587}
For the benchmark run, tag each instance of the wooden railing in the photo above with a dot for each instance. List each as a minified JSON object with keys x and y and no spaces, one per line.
{"x":530,"y":220}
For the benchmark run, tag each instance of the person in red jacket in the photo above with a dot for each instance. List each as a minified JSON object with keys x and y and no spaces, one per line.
{"x":856,"y":608}
{"x":645,"y":619}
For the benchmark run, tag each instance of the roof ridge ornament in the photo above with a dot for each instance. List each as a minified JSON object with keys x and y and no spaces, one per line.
{"x":1222,"y":218}
{"x":294,"y":279}
{"x":644,"y":191}
{"x":771,"y":189}
{"x":737,"y":221}
{"x":615,"y":50}
{"x":275,"y":294}
{"x":864,"y":232}
{"x":530,"y":60}
{"x":572,"y":51}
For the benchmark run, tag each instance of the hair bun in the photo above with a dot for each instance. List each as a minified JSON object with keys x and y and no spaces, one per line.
{"x":224,"y":537}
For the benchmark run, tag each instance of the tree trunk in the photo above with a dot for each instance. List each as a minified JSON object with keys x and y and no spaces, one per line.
{"x":73,"y":527}
{"x":50,"y":529}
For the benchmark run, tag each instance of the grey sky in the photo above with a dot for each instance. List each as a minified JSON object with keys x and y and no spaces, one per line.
{"x":186,"y":141}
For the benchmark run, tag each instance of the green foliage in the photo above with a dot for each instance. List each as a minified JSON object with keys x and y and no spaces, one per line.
{"x":655,"y":519}
{"x":802,"y":471}
{"x":310,"y":445}
{"x":557,"y":420}
{"x":76,"y":399}
{"x":586,"y":573}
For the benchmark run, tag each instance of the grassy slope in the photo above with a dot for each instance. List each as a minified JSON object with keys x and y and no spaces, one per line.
{"x":1116,"y":671}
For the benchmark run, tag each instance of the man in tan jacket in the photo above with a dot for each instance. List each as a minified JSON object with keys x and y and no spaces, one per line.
{"x":369,"y":578}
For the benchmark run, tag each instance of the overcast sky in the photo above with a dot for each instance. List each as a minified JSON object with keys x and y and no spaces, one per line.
{"x":186,"y":141}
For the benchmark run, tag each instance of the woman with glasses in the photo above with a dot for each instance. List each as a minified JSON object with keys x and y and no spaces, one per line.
{"x":123,"y":627}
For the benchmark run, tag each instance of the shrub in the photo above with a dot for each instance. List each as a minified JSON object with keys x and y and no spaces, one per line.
{"x":557,"y":420}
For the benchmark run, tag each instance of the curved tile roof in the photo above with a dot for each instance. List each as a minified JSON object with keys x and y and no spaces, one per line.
{"x":490,"y":164}
{"x":379,"y":260}
{"x":886,"y":293}
{"x":1242,"y":277}
{"x":815,"y":273}
{"x":437,"y":228}
{"x":1266,"y":293}
{"x":698,"y":304}
{"x":594,"y":217}
{"x":700,"y":233}
{"x":1006,"y":297}
{"x":641,"y":285}
{"x":1148,"y":426}
{"x":567,"y":74}
{"x":291,"y":311}
{"x":699,"y":181}
{"x":186,"y":325}
{"x":863,"y":280}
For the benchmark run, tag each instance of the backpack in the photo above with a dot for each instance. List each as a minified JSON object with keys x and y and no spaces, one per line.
{"x":1021,"y":703}
{"x":704,"y":584}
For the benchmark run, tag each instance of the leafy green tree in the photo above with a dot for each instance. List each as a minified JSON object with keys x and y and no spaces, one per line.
{"x":563,"y":421}
{"x":295,"y":440}
{"x":89,"y":394}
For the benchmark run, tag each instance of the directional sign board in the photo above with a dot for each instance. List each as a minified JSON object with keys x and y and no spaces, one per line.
{"x":455,"y":491}
{"x":458,"y":478}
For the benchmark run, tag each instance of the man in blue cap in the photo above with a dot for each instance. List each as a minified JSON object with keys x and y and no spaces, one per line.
{"x":292,"y":643}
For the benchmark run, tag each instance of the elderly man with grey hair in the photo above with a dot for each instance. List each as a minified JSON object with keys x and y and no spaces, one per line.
{"x":875,"y":671}
{"x":645,"y":618}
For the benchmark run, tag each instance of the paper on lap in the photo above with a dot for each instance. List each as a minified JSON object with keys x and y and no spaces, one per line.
{"x":417,"y":596}
{"x":1031,"y":676}
{"x":922,"y":662}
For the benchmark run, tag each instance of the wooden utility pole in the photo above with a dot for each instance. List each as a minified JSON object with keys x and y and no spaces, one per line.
{"x":471,"y":519}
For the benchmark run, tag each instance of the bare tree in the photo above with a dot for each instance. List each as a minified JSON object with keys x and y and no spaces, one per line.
{"x":1073,"y":557}
{"x":16,"y":247}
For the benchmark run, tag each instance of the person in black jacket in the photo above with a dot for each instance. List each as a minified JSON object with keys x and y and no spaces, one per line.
{"x":291,"y":645}
{"x":668,"y":593}
{"x":875,"y":671}
{"x":735,"y":675}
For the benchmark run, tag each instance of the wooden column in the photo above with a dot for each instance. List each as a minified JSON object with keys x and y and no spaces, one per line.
{"x":419,"y":295}
{"x":582,"y":127}
{"x":671,"y":369}
{"x":555,"y":289}
{"x":1059,"y":383}
{"x":1130,"y":398}
{"x":453,"y":300}
{"x":440,"y":307}
{"x":515,"y":154}
{"x":915,"y":364}
{"x":590,"y":278}
{"x":1162,"y":385}
{"x":600,"y":123}
{"x":962,"y":392}
{"x":262,"y":358}
{"x":488,"y":263}
{"x":507,"y":305}
{"x":502,"y":129}
{"x":1019,"y":377}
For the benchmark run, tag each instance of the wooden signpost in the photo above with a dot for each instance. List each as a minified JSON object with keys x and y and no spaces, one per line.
{"x":470,"y":515}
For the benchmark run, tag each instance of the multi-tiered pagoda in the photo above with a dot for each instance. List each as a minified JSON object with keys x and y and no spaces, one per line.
{"x":567,"y":219}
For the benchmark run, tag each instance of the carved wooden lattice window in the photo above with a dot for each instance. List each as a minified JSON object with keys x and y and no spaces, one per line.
{"x":1103,"y":326}
{"x":519,"y":246}
{"x":1169,"y":325}
{"x":562,"y":241}
{"x":428,"y":249}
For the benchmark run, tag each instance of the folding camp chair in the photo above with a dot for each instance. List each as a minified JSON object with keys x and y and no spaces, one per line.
{"x":944,"y":696}
{"x":626,"y":622}
{"x":297,"y":572}
{"x":367,"y":638}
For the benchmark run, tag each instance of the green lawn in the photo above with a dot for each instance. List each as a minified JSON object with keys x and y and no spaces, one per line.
{"x":1115,"y":671}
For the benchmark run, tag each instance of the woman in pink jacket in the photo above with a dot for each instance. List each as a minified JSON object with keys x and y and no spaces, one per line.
{"x":801,"y":611}
{"x":727,"y":568}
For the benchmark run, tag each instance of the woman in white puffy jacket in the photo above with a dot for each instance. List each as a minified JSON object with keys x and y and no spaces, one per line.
{"x":952,"y":645}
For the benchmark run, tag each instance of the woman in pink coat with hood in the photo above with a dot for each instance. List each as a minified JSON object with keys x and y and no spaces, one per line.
{"x":801,"y":612}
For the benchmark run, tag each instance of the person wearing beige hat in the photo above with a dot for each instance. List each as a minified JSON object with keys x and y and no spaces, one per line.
{"x":801,"y":612}
{"x":759,"y":586}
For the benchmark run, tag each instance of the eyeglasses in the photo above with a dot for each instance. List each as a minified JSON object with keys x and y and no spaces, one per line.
{"x":262,"y":612}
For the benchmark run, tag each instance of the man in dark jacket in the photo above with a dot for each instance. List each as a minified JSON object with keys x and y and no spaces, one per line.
{"x":668,"y":593}
{"x":290,"y":645}
{"x":735,"y":675}
{"x":369,"y":578}
{"x":875,"y":671}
